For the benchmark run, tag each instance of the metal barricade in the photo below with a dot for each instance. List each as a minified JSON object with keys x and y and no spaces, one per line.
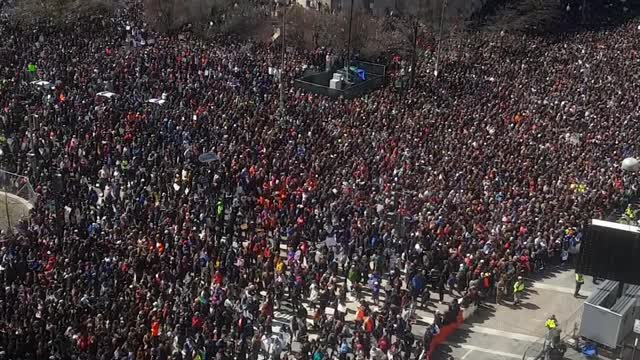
{"x":535,"y":351}
{"x":17,"y":197}
{"x":569,"y":326}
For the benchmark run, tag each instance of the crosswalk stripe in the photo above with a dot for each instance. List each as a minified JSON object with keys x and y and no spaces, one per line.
{"x":495,"y":332}
{"x":484,"y":350}
{"x":562,"y":289}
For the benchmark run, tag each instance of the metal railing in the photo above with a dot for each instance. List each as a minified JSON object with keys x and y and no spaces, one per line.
{"x":535,"y":350}
{"x":17,"y":197}
{"x":318,"y":82}
{"x":570,"y":327}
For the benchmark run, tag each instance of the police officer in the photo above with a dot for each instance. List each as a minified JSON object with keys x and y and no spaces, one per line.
{"x":579,"y":282}
{"x":518,"y":289}
{"x":551,"y":323}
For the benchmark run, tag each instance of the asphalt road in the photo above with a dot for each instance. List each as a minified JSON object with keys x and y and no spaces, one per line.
{"x":500,"y":332}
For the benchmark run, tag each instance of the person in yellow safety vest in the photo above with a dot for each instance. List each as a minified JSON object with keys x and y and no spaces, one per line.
{"x":553,"y":334}
{"x":518,"y":289}
{"x":551,"y":322}
{"x":579,"y":282}
{"x":629,"y":212}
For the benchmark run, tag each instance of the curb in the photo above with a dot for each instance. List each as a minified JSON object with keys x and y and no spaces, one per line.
{"x":448,"y":330}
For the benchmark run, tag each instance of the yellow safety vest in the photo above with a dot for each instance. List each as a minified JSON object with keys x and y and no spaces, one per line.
{"x":629,"y":212}
{"x":518,"y":286}
{"x":550,"y":324}
{"x":579,"y":278}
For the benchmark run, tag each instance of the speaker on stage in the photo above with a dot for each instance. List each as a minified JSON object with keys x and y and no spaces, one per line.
{"x":610,"y":250}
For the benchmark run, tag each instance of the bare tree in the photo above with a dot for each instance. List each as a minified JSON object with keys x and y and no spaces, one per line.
{"x":312,"y":29}
{"x":307,"y":28}
{"x":168,"y":15}
{"x":415,"y":20}
{"x":57,"y":11}
{"x":521,"y":15}
{"x":371,"y":36}
{"x":238,"y":17}
{"x":434,"y":20}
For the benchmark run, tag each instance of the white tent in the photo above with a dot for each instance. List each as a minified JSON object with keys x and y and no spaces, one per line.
{"x":630,"y":164}
{"x":157,"y":101}
{"x":43,"y":84}
{"x":106,"y":94}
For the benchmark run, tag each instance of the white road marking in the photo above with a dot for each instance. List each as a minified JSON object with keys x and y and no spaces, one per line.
{"x":467,"y":354}
{"x":562,"y":289}
{"x":495,"y":332}
{"x":488,"y":351}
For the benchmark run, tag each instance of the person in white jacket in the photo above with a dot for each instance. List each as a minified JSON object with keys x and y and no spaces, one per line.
{"x":376,"y":354}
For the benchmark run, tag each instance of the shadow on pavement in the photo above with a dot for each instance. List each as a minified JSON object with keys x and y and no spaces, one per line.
{"x":484,"y":313}
{"x":530,"y":306}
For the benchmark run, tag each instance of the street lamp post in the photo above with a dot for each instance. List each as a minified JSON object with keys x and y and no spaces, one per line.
{"x":6,"y":208}
{"x":32,"y":144}
{"x":347,"y":63}
{"x":282,"y":4}
{"x":444,"y":6}
{"x":6,"y":199}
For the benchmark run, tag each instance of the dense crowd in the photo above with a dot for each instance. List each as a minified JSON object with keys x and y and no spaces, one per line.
{"x":137,"y":250}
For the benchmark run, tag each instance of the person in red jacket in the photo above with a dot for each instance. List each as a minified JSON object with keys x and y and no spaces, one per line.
{"x":383,"y":344}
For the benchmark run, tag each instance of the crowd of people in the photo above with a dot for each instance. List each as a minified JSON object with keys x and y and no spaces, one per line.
{"x":136,"y":249}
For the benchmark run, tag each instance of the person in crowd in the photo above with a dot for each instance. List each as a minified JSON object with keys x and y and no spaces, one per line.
{"x":518,"y":290}
{"x":579,"y":282}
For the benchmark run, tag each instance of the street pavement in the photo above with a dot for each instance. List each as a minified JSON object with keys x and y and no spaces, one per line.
{"x":499,"y":332}
{"x":495,"y":332}
{"x":423,"y":316}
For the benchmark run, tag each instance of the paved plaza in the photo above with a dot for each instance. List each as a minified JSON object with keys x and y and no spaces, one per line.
{"x":497,"y":332}
{"x":517,"y":332}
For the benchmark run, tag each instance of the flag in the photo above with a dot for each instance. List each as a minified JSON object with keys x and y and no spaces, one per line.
{"x":219,"y":208}
{"x":276,"y":35}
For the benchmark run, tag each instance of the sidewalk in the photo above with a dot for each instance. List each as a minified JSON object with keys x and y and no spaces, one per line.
{"x":506,"y":331}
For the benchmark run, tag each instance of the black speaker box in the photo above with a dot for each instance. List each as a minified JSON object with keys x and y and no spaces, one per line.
{"x":611,"y":251}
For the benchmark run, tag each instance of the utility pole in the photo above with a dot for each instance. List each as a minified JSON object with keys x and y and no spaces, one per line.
{"x":6,"y":196}
{"x":444,"y":6}
{"x":347,"y":63}
{"x":414,"y":51}
{"x":6,"y":209}
{"x":6,"y":199}
{"x":32,"y":144}
{"x":284,"y":48}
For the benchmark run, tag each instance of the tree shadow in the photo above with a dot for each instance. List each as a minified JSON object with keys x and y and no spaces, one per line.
{"x":548,"y":273}
{"x":482,"y":314}
{"x":445,"y":350}
{"x":530,"y":306}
